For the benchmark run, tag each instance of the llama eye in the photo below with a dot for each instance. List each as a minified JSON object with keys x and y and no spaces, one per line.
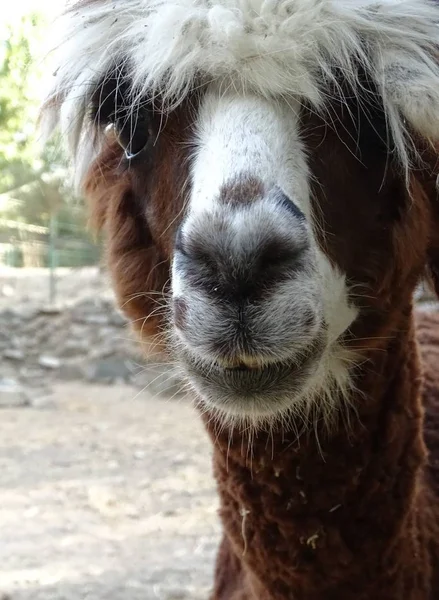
{"x":133,"y":133}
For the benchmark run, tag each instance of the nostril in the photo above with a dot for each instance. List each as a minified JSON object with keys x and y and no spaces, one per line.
{"x":193,"y":249}
{"x":280,"y":253}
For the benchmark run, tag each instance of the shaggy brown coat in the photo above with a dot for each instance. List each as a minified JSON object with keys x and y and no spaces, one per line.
{"x":354,"y":517}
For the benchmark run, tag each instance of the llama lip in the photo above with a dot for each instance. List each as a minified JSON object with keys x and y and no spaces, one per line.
{"x":241,"y":364}
{"x":254,"y":379}
{"x":241,"y":389}
{"x":252,"y":370}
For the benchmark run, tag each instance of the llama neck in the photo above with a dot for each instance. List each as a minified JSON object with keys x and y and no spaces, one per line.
{"x":335,"y":519}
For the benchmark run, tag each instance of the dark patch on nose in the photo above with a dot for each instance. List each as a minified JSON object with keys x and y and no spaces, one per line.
{"x":179,"y":307}
{"x":287,"y":203}
{"x":241,"y":191}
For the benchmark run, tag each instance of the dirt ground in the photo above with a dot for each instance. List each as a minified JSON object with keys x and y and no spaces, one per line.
{"x":105,"y":494}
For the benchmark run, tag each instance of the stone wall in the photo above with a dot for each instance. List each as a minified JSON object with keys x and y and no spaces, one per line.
{"x":85,"y":337}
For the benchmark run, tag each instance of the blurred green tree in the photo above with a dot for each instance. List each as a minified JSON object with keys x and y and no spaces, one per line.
{"x":33,"y":183}
{"x":19,"y":160}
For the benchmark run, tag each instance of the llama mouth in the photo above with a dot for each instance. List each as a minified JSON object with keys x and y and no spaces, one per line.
{"x":254,"y":375}
{"x":244,"y":389}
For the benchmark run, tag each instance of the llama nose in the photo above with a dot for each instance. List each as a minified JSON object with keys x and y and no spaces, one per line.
{"x":240,"y":257}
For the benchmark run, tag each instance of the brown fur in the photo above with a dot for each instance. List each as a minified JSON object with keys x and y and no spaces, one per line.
{"x":139,"y":210}
{"x":352,"y":517}
{"x":330,"y":516}
{"x":241,"y":191}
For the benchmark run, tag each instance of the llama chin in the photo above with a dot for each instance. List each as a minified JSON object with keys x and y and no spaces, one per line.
{"x":316,"y":388}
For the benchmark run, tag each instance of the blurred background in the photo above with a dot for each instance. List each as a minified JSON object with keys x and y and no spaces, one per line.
{"x":105,"y":475}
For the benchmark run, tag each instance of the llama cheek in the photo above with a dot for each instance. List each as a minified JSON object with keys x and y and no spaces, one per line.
{"x":292,"y":317}
{"x":339,"y":312}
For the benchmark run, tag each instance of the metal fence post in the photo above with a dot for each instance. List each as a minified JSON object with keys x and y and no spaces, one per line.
{"x":52,"y":257}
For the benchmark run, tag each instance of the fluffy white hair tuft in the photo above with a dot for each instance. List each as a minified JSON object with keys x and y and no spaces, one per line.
{"x":272,"y":47}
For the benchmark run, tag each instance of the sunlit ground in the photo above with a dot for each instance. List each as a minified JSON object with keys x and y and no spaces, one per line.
{"x":106,"y":497}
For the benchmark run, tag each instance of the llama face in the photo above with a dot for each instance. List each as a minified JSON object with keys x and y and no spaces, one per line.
{"x":258,"y":169}
{"x":269,"y":255}
{"x":258,"y":308}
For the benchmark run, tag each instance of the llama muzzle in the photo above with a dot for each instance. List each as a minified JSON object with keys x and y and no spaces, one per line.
{"x":247,"y":313}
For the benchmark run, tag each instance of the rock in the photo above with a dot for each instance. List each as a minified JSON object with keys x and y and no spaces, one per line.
{"x":12,"y":394}
{"x":117,"y":319}
{"x":32,"y":375}
{"x":49,"y":362}
{"x":14,"y":354}
{"x":75,"y":347}
{"x":7,"y":291}
{"x":79,"y":338}
{"x":11,"y":317}
{"x":8,"y":314}
{"x":109,"y":333}
{"x":43,"y":401}
{"x":87,"y":310}
{"x":139,"y":454}
{"x":79,"y":332}
{"x":98,"y":319}
{"x":71,"y":371}
{"x":108,"y":370}
{"x":101,"y":352}
{"x":50,"y":310}
{"x":8,"y":370}
{"x":29,"y":313}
